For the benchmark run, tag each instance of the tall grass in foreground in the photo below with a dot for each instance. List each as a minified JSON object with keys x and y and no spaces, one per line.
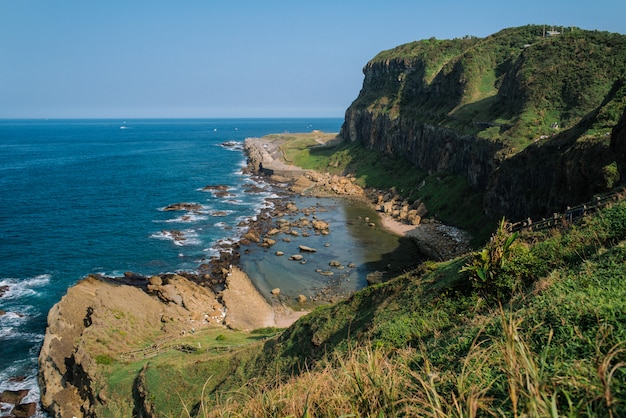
{"x":499,"y":376}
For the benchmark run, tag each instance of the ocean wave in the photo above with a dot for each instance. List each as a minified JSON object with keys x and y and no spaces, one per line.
{"x":180,"y":238}
{"x":8,"y":334}
{"x":14,"y":378}
{"x":232,"y":145}
{"x":18,"y":288}
{"x":189,"y":217}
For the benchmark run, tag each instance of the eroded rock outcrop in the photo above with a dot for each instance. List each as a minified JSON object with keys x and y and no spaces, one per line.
{"x":98,"y":320}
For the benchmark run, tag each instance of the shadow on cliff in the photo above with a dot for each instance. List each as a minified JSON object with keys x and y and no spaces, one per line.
{"x":553,"y":173}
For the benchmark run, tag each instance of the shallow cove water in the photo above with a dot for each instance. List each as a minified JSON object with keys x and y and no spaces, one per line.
{"x":356,"y":242}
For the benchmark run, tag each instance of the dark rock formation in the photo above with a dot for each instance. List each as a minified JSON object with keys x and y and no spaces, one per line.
{"x":618,"y":146}
{"x":431,"y":148}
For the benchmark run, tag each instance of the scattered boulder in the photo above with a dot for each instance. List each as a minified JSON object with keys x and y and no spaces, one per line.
{"x":275,"y":291}
{"x":280,"y":253}
{"x":320,"y":225}
{"x":155,"y":281}
{"x":307,"y":249}
{"x":268,"y":242}
{"x":296,"y":257}
{"x":24,"y":410}
{"x":301,"y":298}
{"x":374,"y":277}
{"x":252,"y":236}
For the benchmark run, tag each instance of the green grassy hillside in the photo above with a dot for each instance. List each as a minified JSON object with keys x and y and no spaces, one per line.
{"x":515,"y":85}
{"x":540,"y":332}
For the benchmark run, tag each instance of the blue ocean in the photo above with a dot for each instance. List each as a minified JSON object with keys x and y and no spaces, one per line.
{"x":88,"y":196}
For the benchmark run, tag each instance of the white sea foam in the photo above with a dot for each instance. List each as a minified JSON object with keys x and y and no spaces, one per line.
{"x":189,"y":217}
{"x":180,"y":238}
{"x":18,"y":288}
{"x":232,"y":145}
{"x":220,"y":213}
{"x":236,"y":202}
{"x":8,"y":381}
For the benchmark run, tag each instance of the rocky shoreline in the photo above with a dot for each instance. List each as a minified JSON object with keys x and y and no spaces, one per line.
{"x":436,"y":240}
{"x":218,"y":293}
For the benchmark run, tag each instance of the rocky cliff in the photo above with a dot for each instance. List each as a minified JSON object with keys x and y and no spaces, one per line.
{"x":524,"y":118}
{"x":432,"y":148}
{"x":99,"y":320}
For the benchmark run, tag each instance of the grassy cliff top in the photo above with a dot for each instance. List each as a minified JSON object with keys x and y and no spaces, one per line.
{"x":516,"y":85}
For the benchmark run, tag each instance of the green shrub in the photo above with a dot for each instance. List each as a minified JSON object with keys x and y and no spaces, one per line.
{"x":104,"y":359}
{"x":486,"y":269}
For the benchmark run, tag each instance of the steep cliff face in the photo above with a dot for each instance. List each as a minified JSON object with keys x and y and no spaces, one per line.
{"x":524,"y":118}
{"x":432,"y":148}
{"x":618,"y":146}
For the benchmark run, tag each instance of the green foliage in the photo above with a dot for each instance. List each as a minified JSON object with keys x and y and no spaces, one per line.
{"x":516,"y":79}
{"x":265,"y":331}
{"x":427,"y":344}
{"x":448,"y":197}
{"x":486,"y":266}
{"x":104,"y":359}
{"x":611,"y":175}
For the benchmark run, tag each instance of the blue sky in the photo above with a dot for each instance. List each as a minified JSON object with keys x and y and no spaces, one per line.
{"x":241,"y":58}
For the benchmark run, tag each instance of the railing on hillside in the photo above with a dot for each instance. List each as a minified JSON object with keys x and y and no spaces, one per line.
{"x":150,"y":351}
{"x":571,"y":215}
{"x":165,"y":344}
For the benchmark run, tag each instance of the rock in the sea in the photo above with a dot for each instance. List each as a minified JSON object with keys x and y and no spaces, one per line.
{"x":280,"y":253}
{"x":275,"y":291}
{"x":269,"y":242}
{"x":219,"y":187}
{"x":24,"y":410}
{"x":13,"y":397}
{"x":252,"y":236}
{"x":307,"y":249}
{"x":296,"y":257}
{"x":301,"y":298}
{"x":183,"y":206}
{"x":320,"y":225}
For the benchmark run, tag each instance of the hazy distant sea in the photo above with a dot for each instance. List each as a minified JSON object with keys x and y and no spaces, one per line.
{"x":87,"y":196}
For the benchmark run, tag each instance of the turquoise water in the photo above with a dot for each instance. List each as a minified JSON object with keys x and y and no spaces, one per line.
{"x":87,"y":196}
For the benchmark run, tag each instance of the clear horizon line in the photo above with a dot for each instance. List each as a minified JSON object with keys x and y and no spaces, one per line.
{"x":170,"y":117}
